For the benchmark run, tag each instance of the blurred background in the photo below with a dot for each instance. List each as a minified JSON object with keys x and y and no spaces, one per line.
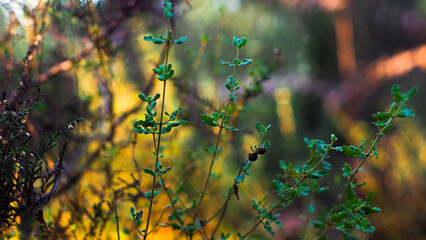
{"x":320,"y":67}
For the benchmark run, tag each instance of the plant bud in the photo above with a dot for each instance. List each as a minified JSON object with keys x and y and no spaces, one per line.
{"x":261,"y":150}
{"x":252,"y":156}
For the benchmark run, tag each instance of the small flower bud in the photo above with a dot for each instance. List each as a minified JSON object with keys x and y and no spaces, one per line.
{"x":252,"y":156}
{"x":261,"y":150}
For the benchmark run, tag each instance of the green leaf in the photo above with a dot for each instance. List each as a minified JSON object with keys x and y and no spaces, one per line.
{"x":267,"y":128}
{"x":283,"y":165}
{"x":143,"y":97}
{"x":387,"y":129}
{"x":246,"y":61}
{"x":382,"y":116}
{"x":333,"y":138}
{"x":258,"y":127}
{"x":181,"y":40}
{"x":209,"y":120}
{"x":148,"y":194}
{"x":411,"y":92}
{"x":347,"y":170}
{"x":276,"y":185}
{"x":369,"y":197}
{"x":239,"y":178}
{"x":338,"y":217}
{"x":268,"y":228}
{"x":239,"y":43}
{"x":231,"y":129}
{"x":311,"y":208}
{"x":267,"y":144}
{"x":157,"y":96}
{"x":150,"y":171}
{"x":396,"y":93}
{"x":145,"y":123}
{"x":319,"y":173}
{"x":167,"y":9}
{"x":175,"y":226}
{"x":166,"y":170}
{"x":227,"y":63}
{"x":351,"y":151}
{"x":350,"y":196}
{"x":406,"y":113}
{"x":326,"y":165}
{"x":149,"y":38}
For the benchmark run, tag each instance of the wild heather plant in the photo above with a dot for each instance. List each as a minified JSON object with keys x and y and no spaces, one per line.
{"x":26,"y":179}
{"x":348,"y":215}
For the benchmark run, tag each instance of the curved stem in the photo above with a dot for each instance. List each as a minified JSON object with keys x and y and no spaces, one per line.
{"x":116,"y":221}
{"x":216,"y":146}
{"x":350,"y":179}
{"x":225,"y":205}
{"x":157,"y":148}
{"x":288,"y":193}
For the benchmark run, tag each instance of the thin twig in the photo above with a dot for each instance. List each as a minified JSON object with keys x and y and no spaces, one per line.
{"x":116,"y":220}
{"x":288,"y":193}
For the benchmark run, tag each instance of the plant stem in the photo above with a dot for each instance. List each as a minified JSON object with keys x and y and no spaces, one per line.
{"x":225,"y":205}
{"x":116,"y":221}
{"x":157,"y":148}
{"x":350,"y":179}
{"x":216,"y":145}
{"x":308,"y":215}
{"x":288,"y":193}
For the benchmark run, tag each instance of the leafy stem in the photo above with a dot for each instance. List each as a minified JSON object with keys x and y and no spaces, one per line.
{"x":363,"y":159}
{"x":323,"y":157}
{"x":221,"y":126}
{"x":157,"y":148}
{"x":234,"y":188}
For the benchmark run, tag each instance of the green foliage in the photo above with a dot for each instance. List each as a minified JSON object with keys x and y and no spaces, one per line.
{"x":349,"y":214}
{"x":26,"y":180}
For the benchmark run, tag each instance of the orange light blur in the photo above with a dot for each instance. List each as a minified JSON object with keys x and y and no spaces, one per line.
{"x":397,"y":65}
{"x":333,"y":5}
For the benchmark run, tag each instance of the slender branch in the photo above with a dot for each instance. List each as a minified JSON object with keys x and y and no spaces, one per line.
{"x":158,"y":221}
{"x":350,"y":179}
{"x":157,"y":149}
{"x":225,"y":205}
{"x":216,"y":145}
{"x":288,"y":193}
{"x":116,"y":221}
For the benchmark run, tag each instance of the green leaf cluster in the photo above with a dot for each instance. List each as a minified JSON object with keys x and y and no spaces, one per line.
{"x":136,"y":216}
{"x":239,"y":42}
{"x":164,"y":73}
{"x":397,"y":109}
{"x":163,"y":39}
{"x":149,"y":125}
{"x":237,"y":62}
{"x":167,"y":9}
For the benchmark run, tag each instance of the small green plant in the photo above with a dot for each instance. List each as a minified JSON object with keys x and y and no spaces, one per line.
{"x":157,"y":128}
{"x":347,"y":215}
